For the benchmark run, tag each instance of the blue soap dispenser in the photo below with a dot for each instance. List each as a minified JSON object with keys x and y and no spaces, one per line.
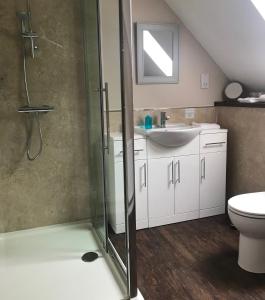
{"x":148,"y":122}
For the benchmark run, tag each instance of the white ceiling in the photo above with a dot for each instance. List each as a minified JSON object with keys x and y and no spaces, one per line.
{"x":233,"y":33}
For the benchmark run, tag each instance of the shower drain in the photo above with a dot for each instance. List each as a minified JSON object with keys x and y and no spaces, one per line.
{"x":90,"y":256}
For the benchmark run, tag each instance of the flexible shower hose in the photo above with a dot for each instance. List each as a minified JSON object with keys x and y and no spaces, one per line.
{"x":35,"y":117}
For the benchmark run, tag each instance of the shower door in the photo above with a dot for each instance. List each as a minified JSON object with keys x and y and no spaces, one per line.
{"x":115,"y":33}
{"x":107,"y":28}
{"x":113,"y":135}
{"x":95,"y":117}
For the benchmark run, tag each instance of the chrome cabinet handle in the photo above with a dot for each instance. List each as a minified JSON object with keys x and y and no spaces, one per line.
{"x":214,"y":144}
{"x":136,"y":150}
{"x":143,"y":184}
{"x":203,"y":171}
{"x":145,"y":175}
{"x":178,"y":171}
{"x":177,"y":179}
{"x":172,"y":172}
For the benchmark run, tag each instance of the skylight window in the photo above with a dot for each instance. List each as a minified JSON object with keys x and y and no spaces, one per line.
{"x":260,"y":6}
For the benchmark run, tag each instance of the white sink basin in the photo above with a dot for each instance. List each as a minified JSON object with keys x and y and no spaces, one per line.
{"x":175,"y":135}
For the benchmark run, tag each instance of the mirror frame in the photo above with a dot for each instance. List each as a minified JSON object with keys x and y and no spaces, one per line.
{"x":141,"y":78}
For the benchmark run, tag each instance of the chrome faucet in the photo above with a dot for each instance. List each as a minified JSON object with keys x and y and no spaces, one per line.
{"x":163,"y":119}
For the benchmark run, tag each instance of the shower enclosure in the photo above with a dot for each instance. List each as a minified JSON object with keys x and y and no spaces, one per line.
{"x":107,"y":39}
{"x":75,"y":56}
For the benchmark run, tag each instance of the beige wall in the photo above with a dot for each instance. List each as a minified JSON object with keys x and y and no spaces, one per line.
{"x":110,"y":37}
{"x":54,"y":188}
{"x":193,"y":61}
{"x":246,"y":148}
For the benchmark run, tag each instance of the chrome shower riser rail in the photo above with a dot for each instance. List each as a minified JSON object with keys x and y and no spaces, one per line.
{"x":33,"y":112}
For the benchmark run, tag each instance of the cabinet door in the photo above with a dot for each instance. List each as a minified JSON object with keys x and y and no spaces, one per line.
{"x":141,"y":193}
{"x":161,"y":191}
{"x":213,"y":180}
{"x":187,"y":182}
{"x":118,"y":197}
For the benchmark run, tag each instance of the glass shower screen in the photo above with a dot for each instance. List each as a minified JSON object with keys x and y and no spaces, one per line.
{"x":107,"y":30}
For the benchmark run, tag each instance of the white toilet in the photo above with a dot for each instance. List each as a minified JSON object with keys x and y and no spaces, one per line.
{"x":247,"y":213}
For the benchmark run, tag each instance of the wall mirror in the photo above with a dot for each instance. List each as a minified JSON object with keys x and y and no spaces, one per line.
{"x":157,"y":53}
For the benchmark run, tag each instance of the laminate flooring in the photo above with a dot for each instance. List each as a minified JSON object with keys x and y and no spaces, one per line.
{"x":194,"y":260}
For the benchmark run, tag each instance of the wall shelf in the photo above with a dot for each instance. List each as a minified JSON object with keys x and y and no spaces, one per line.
{"x":235,"y":103}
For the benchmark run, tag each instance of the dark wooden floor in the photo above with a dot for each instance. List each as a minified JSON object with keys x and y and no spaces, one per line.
{"x":194,"y":260}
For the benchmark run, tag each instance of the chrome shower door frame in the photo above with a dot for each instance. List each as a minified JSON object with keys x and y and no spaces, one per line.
{"x":128,"y":141}
{"x":127,"y":270}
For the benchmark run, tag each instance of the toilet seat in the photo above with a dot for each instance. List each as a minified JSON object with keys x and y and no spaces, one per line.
{"x":243,"y":214}
{"x":250,"y":205}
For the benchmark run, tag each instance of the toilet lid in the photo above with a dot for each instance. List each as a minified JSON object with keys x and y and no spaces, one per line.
{"x":250,"y":204}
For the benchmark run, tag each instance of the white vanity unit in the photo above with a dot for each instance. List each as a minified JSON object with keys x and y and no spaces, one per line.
{"x":213,"y":147}
{"x":116,"y":178}
{"x":173,"y":184}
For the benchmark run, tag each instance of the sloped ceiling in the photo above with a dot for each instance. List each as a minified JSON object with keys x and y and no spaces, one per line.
{"x":232,"y":32}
